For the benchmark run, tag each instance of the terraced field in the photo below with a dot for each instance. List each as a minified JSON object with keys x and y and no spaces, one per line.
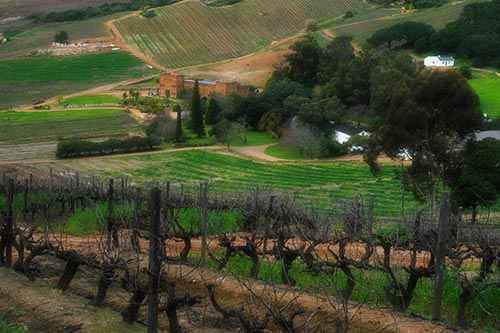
{"x":362,"y":27}
{"x":190,"y":33}
{"x":321,"y":186}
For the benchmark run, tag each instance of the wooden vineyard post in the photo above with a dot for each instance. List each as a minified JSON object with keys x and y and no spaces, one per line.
{"x":154,"y":260}
{"x":204,"y":217}
{"x":444,"y":219}
{"x":111,"y":227}
{"x":9,"y":227}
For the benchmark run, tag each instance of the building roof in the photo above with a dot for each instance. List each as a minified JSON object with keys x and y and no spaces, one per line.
{"x":203,"y":82}
{"x":445,"y":58}
{"x":347,"y":129}
{"x":487,"y":134}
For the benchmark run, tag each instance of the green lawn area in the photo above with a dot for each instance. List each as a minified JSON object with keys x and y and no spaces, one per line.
{"x":25,"y":127}
{"x":284,"y":152}
{"x":254,"y":138}
{"x":28,"y":79}
{"x":90,"y":100}
{"x":487,"y":87}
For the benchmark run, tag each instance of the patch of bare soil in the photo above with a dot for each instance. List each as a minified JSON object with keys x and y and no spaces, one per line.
{"x":253,"y":69}
{"x":255,"y":152}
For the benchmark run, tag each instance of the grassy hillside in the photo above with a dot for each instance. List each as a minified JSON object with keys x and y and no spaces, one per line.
{"x":27,"y":36}
{"x":190,"y":33}
{"x":363,"y":26}
{"x":487,"y":88}
{"x":28,"y":79}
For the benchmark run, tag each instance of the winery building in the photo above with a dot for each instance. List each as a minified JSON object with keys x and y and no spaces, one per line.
{"x":176,"y":83}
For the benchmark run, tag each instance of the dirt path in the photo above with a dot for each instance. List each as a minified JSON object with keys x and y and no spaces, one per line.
{"x":255,"y":152}
{"x":120,"y":42}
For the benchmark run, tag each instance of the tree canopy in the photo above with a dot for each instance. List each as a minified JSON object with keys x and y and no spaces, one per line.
{"x":426,"y":124}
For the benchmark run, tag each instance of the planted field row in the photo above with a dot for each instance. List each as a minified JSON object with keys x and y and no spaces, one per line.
{"x":54,"y":125}
{"x":321,"y":186}
{"x":190,"y":33}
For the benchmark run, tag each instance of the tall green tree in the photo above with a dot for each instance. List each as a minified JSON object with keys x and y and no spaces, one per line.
{"x":213,"y":112}
{"x":197,"y":125}
{"x":178,"y":124}
{"x":304,"y":62}
{"x":477,"y":182}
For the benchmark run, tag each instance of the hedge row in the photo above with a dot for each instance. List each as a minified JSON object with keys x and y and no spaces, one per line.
{"x":78,"y":148}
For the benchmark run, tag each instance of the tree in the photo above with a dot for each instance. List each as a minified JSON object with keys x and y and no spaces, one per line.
{"x":226,"y":131}
{"x":304,"y":62}
{"x":178,"y":124}
{"x":304,"y":138}
{"x":213,"y":112}
{"x":197,"y":125}
{"x":408,"y":32}
{"x":61,"y":37}
{"x":427,"y":125}
{"x":477,"y":182}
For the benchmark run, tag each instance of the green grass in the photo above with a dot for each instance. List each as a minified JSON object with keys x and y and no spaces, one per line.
{"x":25,"y":127}
{"x":363,"y":26}
{"x":284,"y":152}
{"x":191,"y":33}
{"x":254,"y":138}
{"x":29,"y":79}
{"x":6,"y":327}
{"x":487,"y":87}
{"x":321,"y":186}
{"x":90,"y":100}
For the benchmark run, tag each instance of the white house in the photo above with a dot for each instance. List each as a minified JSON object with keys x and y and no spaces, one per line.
{"x":439,"y":61}
{"x":344,"y":132}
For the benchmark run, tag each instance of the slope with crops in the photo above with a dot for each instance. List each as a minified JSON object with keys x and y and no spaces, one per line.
{"x":190,"y":33}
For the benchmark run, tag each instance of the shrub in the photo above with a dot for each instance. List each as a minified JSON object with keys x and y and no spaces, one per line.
{"x":78,"y":148}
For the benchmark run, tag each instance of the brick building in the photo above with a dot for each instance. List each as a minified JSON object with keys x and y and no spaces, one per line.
{"x":176,"y":83}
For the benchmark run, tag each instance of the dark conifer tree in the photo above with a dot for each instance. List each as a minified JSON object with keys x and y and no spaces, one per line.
{"x":213,"y":111}
{"x":178,"y":125}
{"x":197,"y":125}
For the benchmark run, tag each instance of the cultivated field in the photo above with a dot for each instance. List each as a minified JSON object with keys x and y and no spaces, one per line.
{"x":28,"y":135}
{"x":190,"y":33}
{"x":320,"y":186}
{"x":31,"y":79}
{"x":363,"y":26}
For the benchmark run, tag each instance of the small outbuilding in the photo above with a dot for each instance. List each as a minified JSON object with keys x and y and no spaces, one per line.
{"x":439,"y":61}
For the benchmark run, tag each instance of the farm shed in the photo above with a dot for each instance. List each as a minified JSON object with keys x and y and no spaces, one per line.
{"x":439,"y":61}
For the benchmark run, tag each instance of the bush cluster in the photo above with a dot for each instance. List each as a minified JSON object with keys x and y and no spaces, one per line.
{"x":78,"y":148}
